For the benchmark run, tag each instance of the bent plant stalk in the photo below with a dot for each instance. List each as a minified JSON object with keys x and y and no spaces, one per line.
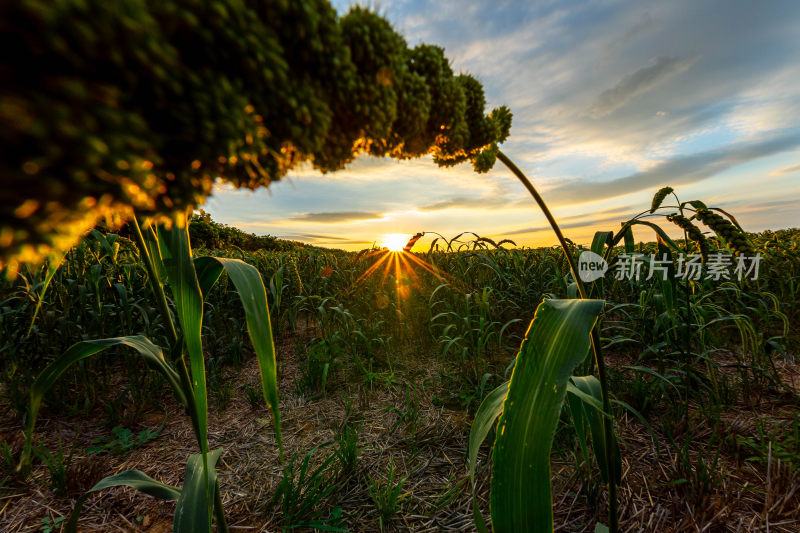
{"x":608,"y":428}
{"x":161,"y":298}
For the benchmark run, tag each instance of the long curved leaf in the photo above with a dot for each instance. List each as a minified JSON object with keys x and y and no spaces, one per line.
{"x":251,"y":290}
{"x":587,"y":389}
{"x":129,"y":478}
{"x":150,"y":353}
{"x":176,"y":254}
{"x":556,"y":342}
{"x":491,"y":408}
{"x":208,"y":272}
{"x":196,"y":502}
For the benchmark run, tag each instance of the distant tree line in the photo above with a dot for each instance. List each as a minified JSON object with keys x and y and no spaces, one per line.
{"x":206,"y":233}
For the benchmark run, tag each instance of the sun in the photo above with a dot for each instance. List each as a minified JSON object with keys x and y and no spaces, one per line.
{"x":395,"y":242}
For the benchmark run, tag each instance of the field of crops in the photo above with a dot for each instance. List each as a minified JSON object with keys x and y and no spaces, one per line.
{"x":161,"y":372}
{"x":383,"y":359}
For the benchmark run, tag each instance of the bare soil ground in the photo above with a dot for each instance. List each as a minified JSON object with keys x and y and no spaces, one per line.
{"x":747,"y":496}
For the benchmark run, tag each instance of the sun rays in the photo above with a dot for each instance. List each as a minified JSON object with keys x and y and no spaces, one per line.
{"x":396,"y":259}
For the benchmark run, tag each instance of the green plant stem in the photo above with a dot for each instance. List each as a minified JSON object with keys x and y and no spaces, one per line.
{"x":608,"y":428}
{"x":161,"y":298}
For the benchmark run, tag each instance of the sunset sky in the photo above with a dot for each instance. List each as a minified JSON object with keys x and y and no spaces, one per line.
{"x":611,"y":101}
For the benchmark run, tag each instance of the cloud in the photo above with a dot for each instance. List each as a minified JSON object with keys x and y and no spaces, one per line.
{"x":336,"y":216}
{"x":331,"y":240}
{"x":676,"y":171}
{"x":460,"y":202}
{"x":323,"y":237}
{"x":616,"y":214}
{"x":637,"y":83}
{"x":787,"y":170}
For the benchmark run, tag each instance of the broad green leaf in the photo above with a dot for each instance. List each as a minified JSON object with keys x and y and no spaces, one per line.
{"x":578,"y":415}
{"x":251,"y":290}
{"x":208,"y":272}
{"x":587,"y":389}
{"x":601,"y":238}
{"x":556,"y":342}
{"x":129,"y":478}
{"x":150,"y":353}
{"x":697,"y":204}
{"x":196,"y":502}
{"x":660,"y":232}
{"x":176,"y":255}
{"x":585,"y":397}
{"x":153,"y":253}
{"x":491,"y":408}
{"x":627,"y":234}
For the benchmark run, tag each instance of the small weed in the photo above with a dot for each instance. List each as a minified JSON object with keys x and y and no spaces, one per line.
{"x":253,"y":395}
{"x":453,"y":489}
{"x":8,"y":457}
{"x":321,"y":358}
{"x":302,"y":490}
{"x":49,"y":524}
{"x":123,"y":440}
{"x":223,"y":392}
{"x":56,"y":464}
{"x":409,"y":414}
{"x":780,"y":442}
{"x":347,"y":450}
{"x":700,"y":474}
{"x":388,"y":497}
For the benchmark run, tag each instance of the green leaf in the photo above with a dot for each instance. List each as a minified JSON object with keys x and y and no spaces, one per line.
{"x":601,"y":238}
{"x":53,"y":263}
{"x":150,"y":353}
{"x":637,"y":414}
{"x":153,"y":253}
{"x":627,"y":234}
{"x":490,"y":409}
{"x":208,"y":272}
{"x":556,"y":342}
{"x":176,"y":255}
{"x":588,"y":390}
{"x":129,"y":478}
{"x":196,"y":502}
{"x":660,"y":232}
{"x":251,"y":290}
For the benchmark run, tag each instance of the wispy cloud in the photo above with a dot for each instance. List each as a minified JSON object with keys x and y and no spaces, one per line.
{"x":637,"y":83}
{"x":460,"y":202}
{"x":786,"y":170}
{"x":336,"y":216}
{"x":614,"y":214}
{"x":676,"y":171}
